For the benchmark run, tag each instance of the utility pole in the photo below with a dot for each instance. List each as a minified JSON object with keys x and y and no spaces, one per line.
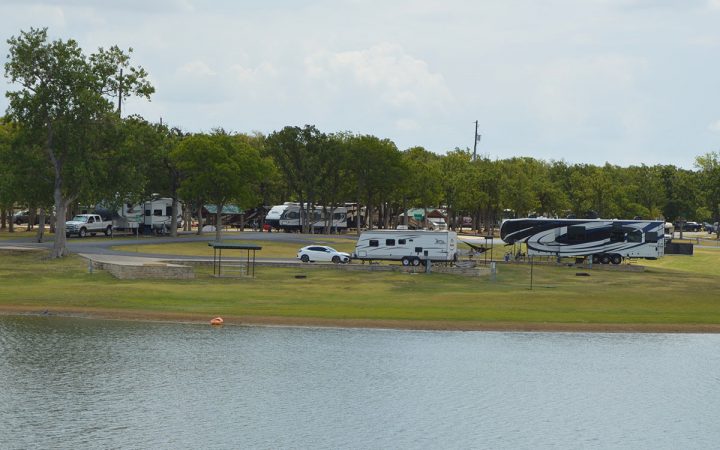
{"x":477,"y":139}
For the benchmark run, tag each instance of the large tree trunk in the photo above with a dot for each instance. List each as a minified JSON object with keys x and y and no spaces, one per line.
{"x":173,"y":220}
{"x":200,"y":219}
{"x":59,"y":249}
{"x":41,"y":226}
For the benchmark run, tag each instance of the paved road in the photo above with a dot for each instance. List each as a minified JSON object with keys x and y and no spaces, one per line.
{"x":102,"y":245}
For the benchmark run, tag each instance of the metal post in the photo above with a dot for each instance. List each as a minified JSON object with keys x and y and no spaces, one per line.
{"x":531,"y":272}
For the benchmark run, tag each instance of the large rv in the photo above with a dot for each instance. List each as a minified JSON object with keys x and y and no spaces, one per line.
{"x":606,"y":241}
{"x":150,"y":216}
{"x":272,"y":218}
{"x":291,"y":218}
{"x":411,"y":247}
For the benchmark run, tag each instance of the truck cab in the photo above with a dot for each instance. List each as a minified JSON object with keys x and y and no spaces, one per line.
{"x":84,"y":224}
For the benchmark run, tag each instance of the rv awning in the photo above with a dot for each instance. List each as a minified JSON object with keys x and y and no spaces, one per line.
{"x":227,"y":209}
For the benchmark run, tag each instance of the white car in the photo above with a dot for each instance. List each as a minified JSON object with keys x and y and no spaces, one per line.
{"x":322,"y":253}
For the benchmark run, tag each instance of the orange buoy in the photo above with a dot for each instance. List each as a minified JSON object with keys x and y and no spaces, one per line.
{"x":216,"y":321}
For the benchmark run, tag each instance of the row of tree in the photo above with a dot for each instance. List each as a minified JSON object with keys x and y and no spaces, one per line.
{"x":64,"y":143}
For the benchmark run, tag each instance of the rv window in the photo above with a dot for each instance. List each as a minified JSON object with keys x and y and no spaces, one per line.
{"x":389,"y":242}
{"x":401,"y":241}
{"x":651,"y":236}
{"x":147,"y":212}
{"x":373,"y":243}
{"x":418,"y":249}
{"x":634,"y":236}
{"x":157,"y":212}
{"x":168,"y":211}
{"x":576,"y":233}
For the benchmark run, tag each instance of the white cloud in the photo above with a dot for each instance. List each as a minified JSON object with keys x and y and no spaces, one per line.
{"x":399,"y":80}
{"x":197,"y":68}
{"x":715,"y":126}
{"x":249,"y":75}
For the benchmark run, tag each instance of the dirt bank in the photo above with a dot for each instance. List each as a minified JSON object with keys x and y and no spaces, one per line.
{"x":362,"y":323}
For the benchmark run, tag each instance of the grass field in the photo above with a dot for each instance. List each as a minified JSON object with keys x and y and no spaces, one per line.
{"x":270,"y":249}
{"x":673,"y":291}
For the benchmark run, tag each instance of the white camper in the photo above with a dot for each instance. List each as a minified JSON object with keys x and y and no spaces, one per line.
{"x":153,"y":215}
{"x":272,"y":218}
{"x":411,"y":247}
{"x":605,"y":241}
{"x":290,"y":220}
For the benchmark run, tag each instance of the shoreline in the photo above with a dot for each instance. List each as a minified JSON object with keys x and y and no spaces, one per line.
{"x":416,"y":325}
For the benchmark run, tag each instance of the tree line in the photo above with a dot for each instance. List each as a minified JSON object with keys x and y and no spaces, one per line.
{"x":64,"y":143}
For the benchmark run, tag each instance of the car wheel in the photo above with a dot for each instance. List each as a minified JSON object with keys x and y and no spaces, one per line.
{"x":305,"y":258}
{"x":108,"y":231}
{"x":406,"y":261}
{"x":336,"y":259}
{"x":82,"y":233}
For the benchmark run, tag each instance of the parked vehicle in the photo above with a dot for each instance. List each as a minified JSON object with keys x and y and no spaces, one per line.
{"x":322,"y":253}
{"x":411,"y":247}
{"x":688,"y":226}
{"x":150,"y":216}
{"x":710,"y":227}
{"x":84,"y":224}
{"x":272,"y":218}
{"x":605,"y":241}
{"x":292,"y":218}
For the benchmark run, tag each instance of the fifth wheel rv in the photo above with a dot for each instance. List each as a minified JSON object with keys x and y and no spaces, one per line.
{"x":411,"y":247}
{"x":605,"y":241}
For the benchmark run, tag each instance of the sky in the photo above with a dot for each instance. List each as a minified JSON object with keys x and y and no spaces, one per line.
{"x":626,"y":82}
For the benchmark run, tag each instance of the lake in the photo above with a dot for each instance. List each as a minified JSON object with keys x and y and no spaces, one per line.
{"x":79,"y":383}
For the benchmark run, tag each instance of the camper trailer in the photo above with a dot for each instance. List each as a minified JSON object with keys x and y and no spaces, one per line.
{"x":291,"y":218}
{"x":272,"y":218}
{"x":606,"y":241}
{"x":150,"y":216}
{"x":411,"y":247}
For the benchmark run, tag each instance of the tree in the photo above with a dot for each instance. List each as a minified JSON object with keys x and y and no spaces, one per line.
{"x":63,"y":106}
{"x":709,"y":165}
{"x":297,"y":153}
{"x":377,"y":168}
{"x":219,"y":168}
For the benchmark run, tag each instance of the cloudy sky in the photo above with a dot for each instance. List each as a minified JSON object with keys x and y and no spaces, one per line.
{"x":593,"y":81}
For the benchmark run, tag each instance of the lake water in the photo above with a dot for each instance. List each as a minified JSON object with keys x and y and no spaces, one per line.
{"x":74,"y":383}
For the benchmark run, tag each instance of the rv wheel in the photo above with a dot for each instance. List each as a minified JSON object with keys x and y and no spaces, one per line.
{"x":605,"y":259}
{"x":616,"y":259}
{"x":405,"y":261}
{"x":595,"y":259}
{"x":416,"y":261}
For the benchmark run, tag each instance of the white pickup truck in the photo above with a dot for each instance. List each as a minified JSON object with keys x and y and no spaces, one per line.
{"x":84,"y":224}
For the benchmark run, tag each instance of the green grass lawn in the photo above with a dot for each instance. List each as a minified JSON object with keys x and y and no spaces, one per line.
{"x":674,"y":290}
{"x":270,"y":249}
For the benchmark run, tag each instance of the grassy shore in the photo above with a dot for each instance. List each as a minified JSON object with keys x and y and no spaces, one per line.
{"x":675,"y":293}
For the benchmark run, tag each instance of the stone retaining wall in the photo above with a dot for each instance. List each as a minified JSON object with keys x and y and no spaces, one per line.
{"x":149,"y":270}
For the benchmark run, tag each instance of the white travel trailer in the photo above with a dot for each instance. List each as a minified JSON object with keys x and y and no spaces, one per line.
{"x":272,"y":218}
{"x":411,"y":247}
{"x":290,"y":220}
{"x":153,"y":215}
{"x":605,"y":241}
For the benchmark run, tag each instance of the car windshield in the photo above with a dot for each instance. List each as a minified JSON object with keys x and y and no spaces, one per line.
{"x":79,"y":219}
